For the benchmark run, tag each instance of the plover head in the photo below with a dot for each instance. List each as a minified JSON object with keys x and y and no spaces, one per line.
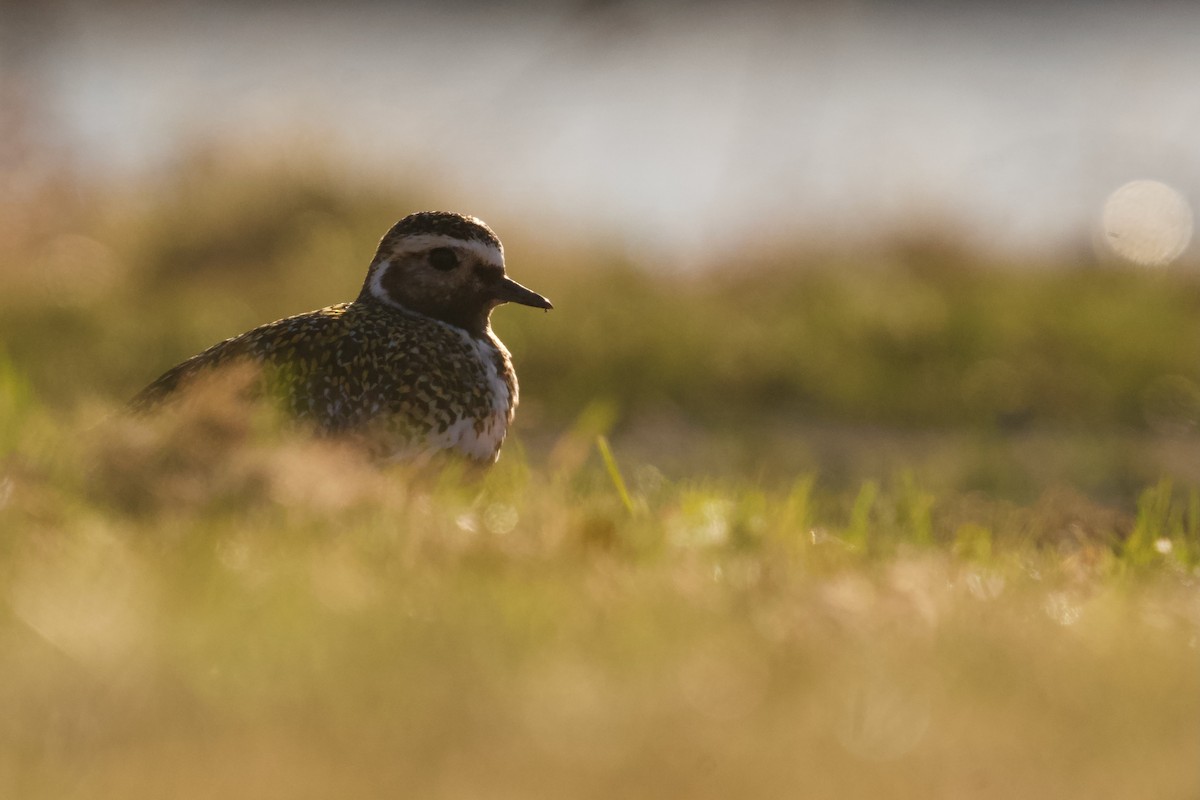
{"x":446,"y":266}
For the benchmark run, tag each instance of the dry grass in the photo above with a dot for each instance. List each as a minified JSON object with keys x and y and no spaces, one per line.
{"x":206,"y":603}
{"x":940,"y":539}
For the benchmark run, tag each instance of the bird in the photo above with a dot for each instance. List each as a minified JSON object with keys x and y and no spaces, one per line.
{"x":411,"y":366}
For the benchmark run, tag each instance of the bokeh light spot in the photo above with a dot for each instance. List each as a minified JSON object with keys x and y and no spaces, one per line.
{"x":1061,"y":608}
{"x":1147,"y":222}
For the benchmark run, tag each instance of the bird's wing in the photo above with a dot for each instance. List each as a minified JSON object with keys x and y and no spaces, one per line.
{"x":293,"y":340}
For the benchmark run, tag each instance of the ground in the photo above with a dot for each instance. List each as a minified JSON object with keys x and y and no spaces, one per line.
{"x":911,"y":524}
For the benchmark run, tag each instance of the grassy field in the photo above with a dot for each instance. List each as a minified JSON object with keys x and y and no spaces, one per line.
{"x":900,"y":524}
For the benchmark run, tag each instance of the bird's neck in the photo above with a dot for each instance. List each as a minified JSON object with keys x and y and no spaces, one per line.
{"x":475,"y":322}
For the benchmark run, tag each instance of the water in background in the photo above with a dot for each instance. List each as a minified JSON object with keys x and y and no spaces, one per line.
{"x":681,"y":130}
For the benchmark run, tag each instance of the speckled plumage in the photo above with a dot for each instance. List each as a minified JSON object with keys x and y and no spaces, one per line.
{"x":412,"y":364}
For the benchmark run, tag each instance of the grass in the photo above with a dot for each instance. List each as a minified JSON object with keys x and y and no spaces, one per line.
{"x":906,"y":526}
{"x":272,"y":617}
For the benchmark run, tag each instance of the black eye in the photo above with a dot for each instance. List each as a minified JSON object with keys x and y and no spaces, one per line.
{"x":443,"y":258}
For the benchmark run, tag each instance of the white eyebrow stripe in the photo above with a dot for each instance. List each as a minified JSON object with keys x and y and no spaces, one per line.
{"x":485,"y":252}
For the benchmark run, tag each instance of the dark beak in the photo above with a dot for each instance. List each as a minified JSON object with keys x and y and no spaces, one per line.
{"x":509,"y":291}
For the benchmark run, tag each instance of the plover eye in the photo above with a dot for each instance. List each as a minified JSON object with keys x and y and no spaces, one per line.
{"x":443,"y":258}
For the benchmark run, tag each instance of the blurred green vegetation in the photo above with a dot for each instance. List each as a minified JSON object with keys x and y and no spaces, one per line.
{"x":1009,"y":378}
{"x":923,"y":336}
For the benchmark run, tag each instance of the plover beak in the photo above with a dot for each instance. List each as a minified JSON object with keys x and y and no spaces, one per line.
{"x":509,"y":291}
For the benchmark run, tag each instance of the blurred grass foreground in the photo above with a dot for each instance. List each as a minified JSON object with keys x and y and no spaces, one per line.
{"x":899,"y":524}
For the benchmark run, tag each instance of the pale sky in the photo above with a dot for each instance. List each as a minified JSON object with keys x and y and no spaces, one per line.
{"x":683,"y":134}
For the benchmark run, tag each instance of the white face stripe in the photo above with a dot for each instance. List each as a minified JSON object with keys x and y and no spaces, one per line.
{"x":484,"y":251}
{"x":377,"y":290}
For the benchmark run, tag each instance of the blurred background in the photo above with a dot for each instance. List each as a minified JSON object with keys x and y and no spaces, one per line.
{"x":792,"y":235}
{"x":890,"y":312}
{"x":680,"y":130}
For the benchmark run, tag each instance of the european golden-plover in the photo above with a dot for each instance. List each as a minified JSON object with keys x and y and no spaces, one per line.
{"x":412,"y":365}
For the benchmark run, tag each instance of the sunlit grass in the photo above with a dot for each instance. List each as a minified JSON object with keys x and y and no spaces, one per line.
{"x":208,"y":601}
{"x":921,"y":528}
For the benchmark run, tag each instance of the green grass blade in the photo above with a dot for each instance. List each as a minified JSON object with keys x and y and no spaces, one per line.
{"x":614,"y":473}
